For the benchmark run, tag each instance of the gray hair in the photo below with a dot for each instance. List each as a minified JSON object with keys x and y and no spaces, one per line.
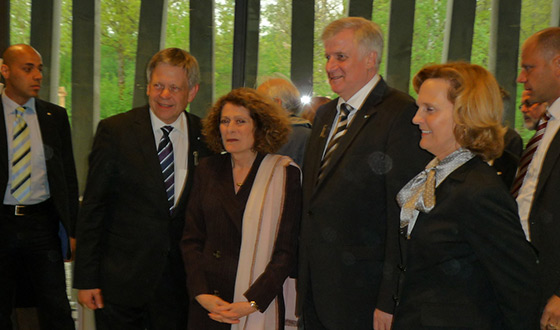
{"x":367,"y":34}
{"x":283,"y":90}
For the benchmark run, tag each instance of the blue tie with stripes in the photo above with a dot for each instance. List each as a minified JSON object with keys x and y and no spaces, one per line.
{"x":165,"y":155}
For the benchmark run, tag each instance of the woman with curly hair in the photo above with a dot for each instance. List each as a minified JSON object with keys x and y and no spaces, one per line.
{"x":242,"y":223}
{"x":466,"y":262}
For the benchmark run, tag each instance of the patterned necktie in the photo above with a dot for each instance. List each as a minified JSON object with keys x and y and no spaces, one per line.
{"x":528,"y":154}
{"x":21,"y":159}
{"x":166,"y":161}
{"x":341,"y":126}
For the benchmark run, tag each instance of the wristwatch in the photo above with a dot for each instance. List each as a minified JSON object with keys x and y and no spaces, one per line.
{"x":254,"y":305}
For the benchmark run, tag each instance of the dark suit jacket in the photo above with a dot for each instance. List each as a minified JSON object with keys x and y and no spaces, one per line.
{"x":212,"y":238}
{"x":348,"y":214}
{"x":544,"y":220}
{"x":467,"y":263}
{"x":506,"y":164}
{"x":61,"y":170}
{"x":125,"y":235}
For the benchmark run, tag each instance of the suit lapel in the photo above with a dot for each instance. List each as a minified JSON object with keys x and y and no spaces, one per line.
{"x":325,"y":123}
{"x":361,"y":117}
{"x":143,"y":134}
{"x":549,"y":162}
{"x":193,"y":129}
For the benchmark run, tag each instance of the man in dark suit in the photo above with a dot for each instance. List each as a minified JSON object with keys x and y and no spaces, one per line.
{"x":349,"y":233}
{"x":128,"y":264}
{"x":539,"y":192}
{"x":40,"y":190}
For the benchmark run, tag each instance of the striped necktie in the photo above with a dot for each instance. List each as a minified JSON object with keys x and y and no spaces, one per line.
{"x":528,"y":154}
{"x":166,"y":161}
{"x":341,"y":126}
{"x":21,"y":159}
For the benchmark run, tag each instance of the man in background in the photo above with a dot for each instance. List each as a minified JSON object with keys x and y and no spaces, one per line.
{"x":128,"y":265}
{"x":288,"y":97}
{"x":537,"y":184}
{"x":40,"y":191}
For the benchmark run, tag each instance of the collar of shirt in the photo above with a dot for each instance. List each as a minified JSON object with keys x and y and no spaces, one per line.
{"x":357,"y":100}
{"x":179,"y":126}
{"x":10,"y":106}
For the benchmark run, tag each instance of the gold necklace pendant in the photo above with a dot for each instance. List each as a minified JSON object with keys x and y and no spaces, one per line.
{"x":239,"y":184}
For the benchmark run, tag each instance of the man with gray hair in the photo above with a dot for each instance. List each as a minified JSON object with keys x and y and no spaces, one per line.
{"x":284,"y":93}
{"x":129,"y":267}
{"x":363,"y":149}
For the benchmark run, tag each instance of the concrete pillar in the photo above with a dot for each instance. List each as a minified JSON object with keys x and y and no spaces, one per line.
{"x":202,"y":47}
{"x":360,"y":8}
{"x":399,"y":43}
{"x":4,"y":26}
{"x":303,"y":26}
{"x":45,"y":38}
{"x":246,"y":43}
{"x":459,"y":30}
{"x":86,"y":54}
{"x":555,"y":13}
{"x":151,"y":38}
{"x":504,"y":44}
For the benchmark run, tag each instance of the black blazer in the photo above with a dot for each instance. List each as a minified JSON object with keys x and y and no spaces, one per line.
{"x":61,"y":170}
{"x":544,"y":220}
{"x":467,"y":263}
{"x":212,"y":238}
{"x":125,"y":234}
{"x":350,"y":212}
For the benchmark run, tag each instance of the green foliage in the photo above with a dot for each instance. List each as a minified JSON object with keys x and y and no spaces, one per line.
{"x":119,"y":29}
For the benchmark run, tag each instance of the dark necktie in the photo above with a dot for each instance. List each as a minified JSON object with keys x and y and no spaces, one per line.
{"x":166,"y":161}
{"x":528,"y":154}
{"x":341,"y":126}
{"x":21,"y":159}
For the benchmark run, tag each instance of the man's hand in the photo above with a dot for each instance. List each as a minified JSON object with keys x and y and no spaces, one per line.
{"x":382,"y":320}
{"x":91,"y":298}
{"x":551,"y":315}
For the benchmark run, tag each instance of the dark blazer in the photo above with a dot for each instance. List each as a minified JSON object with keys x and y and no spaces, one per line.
{"x":506,"y":164}
{"x":544,"y":220}
{"x":125,"y":235}
{"x":61,"y":170}
{"x":467,"y":263}
{"x":348,"y":214}
{"x":212,"y":238}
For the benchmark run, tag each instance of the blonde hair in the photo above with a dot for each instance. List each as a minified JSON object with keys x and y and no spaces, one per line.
{"x":477,"y":105}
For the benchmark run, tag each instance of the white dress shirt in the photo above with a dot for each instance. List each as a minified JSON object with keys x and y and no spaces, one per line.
{"x":356,"y":101}
{"x":40,"y":191}
{"x":180,"y":139}
{"x":531,"y":180}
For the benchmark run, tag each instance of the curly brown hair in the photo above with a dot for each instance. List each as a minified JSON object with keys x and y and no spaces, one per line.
{"x":477,"y":105}
{"x":272,"y":125}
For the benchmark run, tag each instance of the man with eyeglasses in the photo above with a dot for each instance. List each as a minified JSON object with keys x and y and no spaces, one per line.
{"x":128,"y":264}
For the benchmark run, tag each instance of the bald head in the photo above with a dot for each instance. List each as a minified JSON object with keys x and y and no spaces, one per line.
{"x":283,"y":92}
{"x":540,"y":66}
{"x":22,"y":71}
{"x":14,"y":51}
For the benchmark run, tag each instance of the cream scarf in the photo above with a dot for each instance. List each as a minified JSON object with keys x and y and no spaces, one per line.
{"x":261,"y":222}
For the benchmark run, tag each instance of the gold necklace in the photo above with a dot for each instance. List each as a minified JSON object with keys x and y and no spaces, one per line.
{"x":239,"y":184}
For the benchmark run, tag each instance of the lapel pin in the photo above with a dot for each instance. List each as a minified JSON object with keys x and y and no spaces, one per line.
{"x":366,"y":116}
{"x":324,"y":131}
{"x":49,"y":114}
